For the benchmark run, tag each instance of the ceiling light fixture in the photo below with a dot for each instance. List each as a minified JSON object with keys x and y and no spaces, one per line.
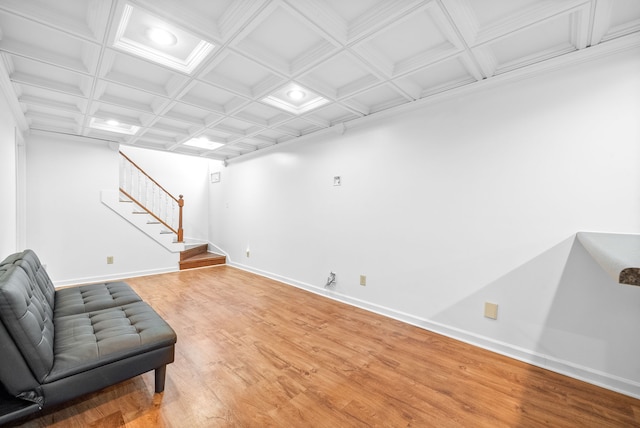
{"x":141,"y":34}
{"x":161,"y":37}
{"x":295,"y":99}
{"x":296,"y":94}
{"x":113,"y":125}
{"x":203,"y":143}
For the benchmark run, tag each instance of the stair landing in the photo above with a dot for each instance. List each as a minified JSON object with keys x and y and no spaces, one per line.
{"x":199,"y":256}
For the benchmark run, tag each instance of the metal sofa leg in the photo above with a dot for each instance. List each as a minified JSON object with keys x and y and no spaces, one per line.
{"x":161,"y":373}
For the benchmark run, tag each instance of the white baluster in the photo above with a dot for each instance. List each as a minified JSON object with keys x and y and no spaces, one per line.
{"x":153,"y":199}
{"x":127,"y":177}
{"x":173,"y":214}
{"x":166,"y":207}
{"x":121,"y":173}
{"x":146,"y":191}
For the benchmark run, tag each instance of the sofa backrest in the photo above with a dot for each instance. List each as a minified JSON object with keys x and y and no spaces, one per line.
{"x":30,"y":262}
{"x":25,"y":314}
{"x":15,"y":374}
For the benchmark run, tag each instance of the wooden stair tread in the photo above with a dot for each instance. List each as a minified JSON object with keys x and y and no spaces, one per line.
{"x":200,"y":257}
{"x":205,"y":256}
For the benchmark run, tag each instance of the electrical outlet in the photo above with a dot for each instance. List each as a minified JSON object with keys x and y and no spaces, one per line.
{"x":109,"y":260}
{"x":248,"y":253}
{"x":363,"y":280}
{"x":491,"y":310}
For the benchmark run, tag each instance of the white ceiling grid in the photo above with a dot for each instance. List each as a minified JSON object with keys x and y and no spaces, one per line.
{"x":362,"y":56}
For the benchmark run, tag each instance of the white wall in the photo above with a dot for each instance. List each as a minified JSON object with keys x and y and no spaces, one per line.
{"x":468,"y":200}
{"x":180,"y":175}
{"x":67,"y":225}
{"x":8,"y":182}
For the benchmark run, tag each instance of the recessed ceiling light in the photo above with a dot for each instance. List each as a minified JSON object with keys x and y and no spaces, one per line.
{"x":203,"y":143}
{"x":144,"y":35}
{"x":161,"y":36}
{"x":295,"y":99}
{"x":113,"y":125}
{"x":296,"y":94}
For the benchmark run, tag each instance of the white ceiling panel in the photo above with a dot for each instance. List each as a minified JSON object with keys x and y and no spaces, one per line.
{"x":340,"y":76}
{"x":33,"y":40}
{"x":532,"y":44}
{"x":212,"y":98}
{"x":331,"y":115}
{"x":242,"y":75}
{"x":346,"y":59}
{"x":191,"y":114}
{"x":436,"y":78}
{"x":140,"y":74}
{"x":177,"y":128}
{"x":624,"y":17}
{"x":127,"y":116}
{"x":489,"y":12}
{"x":237,"y":126}
{"x":263,"y":115}
{"x":219,"y":135}
{"x":128,"y":97}
{"x":271,"y":39}
{"x":376,"y":99}
{"x":418,"y":39}
{"x":298,"y":127}
{"x":274,"y":135}
{"x":31,"y":95}
{"x":161,"y":139}
{"x":33,"y":73}
{"x":84,"y":18}
{"x":259,"y":142}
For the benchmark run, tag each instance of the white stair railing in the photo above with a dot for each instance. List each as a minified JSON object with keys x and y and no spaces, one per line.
{"x":144,"y":191}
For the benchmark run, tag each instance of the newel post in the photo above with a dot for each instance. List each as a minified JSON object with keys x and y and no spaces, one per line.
{"x":180,"y":231}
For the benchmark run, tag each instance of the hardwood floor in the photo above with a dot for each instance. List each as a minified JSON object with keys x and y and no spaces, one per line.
{"x":253,"y":352}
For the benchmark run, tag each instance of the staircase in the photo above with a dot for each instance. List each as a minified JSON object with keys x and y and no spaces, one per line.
{"x":150,"y":208}
{"x":143,"y":222}
{"x":199,"y":256}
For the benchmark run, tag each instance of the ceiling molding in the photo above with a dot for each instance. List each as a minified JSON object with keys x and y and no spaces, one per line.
{"x":8,"y":93}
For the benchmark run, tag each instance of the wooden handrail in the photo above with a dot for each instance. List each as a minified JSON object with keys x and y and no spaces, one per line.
{"x":179,"y":232}
{"x":149,"y":212}
{"x":149,"y":177}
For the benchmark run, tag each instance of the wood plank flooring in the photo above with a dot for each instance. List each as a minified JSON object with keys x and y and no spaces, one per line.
{"x":253,"y":352}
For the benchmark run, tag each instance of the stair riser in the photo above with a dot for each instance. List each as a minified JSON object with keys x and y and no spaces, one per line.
{"x":201,"y":263}
{"x":200,"y":249}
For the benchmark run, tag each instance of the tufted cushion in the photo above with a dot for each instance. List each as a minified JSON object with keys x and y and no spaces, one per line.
{"x":37,"y":290}
{"x":41,"y":275}
{"x":88,"y":298}
{"x":11,"y":259}
{"x":29,"y":261}
{"x":25,"y":316}
{"x":85,"y":341}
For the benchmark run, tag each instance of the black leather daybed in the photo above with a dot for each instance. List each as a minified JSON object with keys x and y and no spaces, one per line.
{"x":56,"y":345}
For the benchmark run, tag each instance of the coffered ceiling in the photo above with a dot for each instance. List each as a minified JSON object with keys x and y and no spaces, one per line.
{"x":229,"y":77}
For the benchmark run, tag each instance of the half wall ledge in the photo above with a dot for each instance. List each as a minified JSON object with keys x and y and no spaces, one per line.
{"x":617,"y":253}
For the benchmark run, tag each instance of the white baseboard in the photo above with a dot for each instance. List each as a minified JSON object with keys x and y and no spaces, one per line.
{"x":567,"y":368}
{"x":114,"y":277}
